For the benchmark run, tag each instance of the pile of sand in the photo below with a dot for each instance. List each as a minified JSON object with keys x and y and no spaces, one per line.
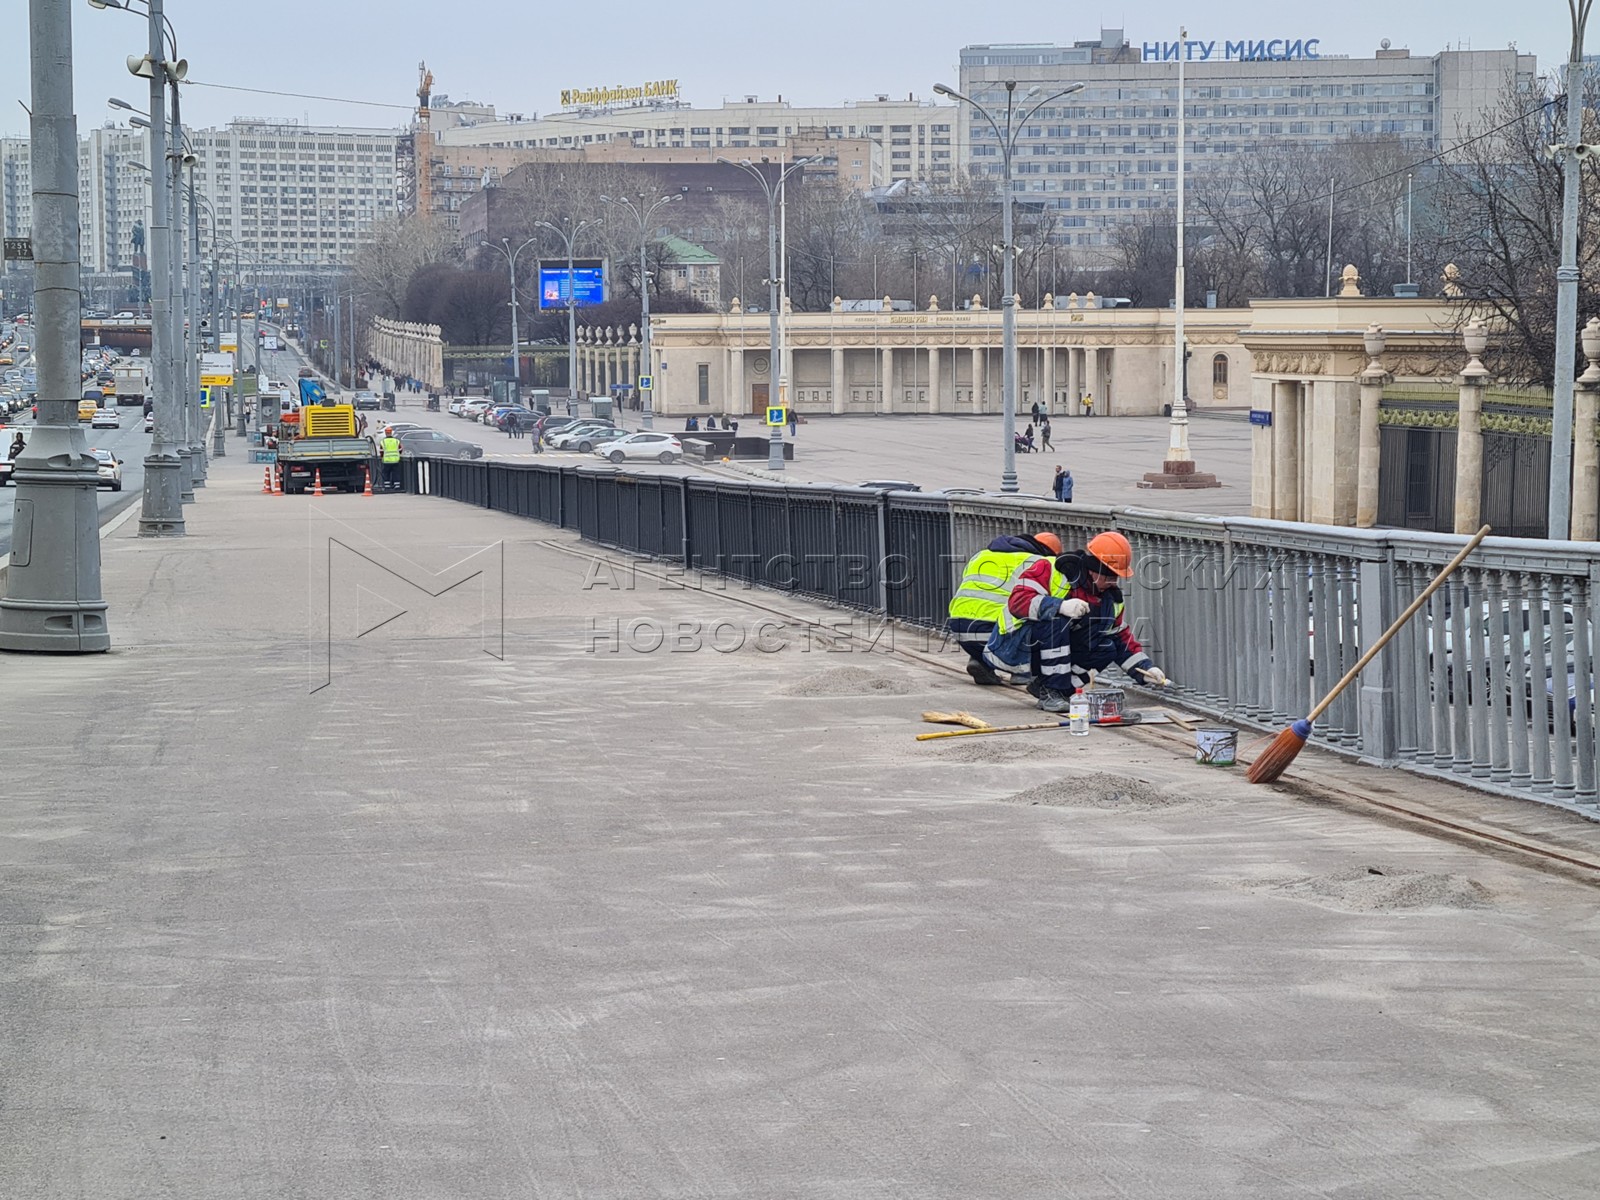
{"x":853,"y":681}
{"x":1386,"y":889}
{"x":1090,"y":790}
{"x":985,"y":750}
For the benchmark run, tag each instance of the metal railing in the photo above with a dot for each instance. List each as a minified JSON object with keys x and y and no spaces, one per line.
{"x":1492,"y":684}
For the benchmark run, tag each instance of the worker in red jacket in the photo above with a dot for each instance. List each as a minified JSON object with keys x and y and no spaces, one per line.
{"x":1085,"y":632}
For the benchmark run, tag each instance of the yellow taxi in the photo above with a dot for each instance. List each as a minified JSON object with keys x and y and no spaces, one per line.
{"x":86,"y":409}
{"x":5,"y":360}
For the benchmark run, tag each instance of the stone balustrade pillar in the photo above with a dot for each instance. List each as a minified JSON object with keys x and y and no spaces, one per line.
{"x":1473,"y":382}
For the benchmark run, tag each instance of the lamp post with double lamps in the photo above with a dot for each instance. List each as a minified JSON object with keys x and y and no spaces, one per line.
{"x":510,"y":255}
{"x":51,"y":600}
{"x":773,"y":190}
{"x":569,"y":236}
{"x":1008,"y":301}
{"x":642,"y":212}
{"x":161,"y":514}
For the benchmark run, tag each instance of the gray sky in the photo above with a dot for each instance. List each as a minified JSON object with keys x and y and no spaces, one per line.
{"x":519,"y":56}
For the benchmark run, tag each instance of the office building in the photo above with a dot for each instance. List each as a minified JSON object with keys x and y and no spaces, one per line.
{"x":1108,"y":153}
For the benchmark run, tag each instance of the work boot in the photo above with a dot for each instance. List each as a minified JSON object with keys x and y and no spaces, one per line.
{"x":982,"y":675}
{"x":1052,"y":701}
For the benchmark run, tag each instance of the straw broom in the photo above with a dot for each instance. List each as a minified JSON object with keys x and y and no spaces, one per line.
{"x":1277,"y":757}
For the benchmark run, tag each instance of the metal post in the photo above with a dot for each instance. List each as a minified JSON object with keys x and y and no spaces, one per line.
{"x":516,"y":353}
{"x":161,"y":514}
{"x":197,"y":446}
{"x":218,"y":415}
{"x":1560,"y":510}
{"x":52,"y":589}
{"x":176,"y":334}
{"x":775,"y":440}
{"x":646,"y":413}
{"x":337,"y":344}
{"x":1178,"y":442}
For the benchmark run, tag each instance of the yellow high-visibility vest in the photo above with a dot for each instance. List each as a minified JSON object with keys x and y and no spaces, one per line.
{"x":391,"y":450}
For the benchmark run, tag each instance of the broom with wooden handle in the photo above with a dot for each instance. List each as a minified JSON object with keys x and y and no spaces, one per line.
{"x":960,"y":717}
{"x":1277,"y":757}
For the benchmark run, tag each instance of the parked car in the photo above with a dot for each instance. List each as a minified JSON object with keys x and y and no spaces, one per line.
{"x":890,"y":485}
{"x":110,"y":469}
{"x":663,"y":447}
{"x":441,"y":445}
{"x":457,"y":405}
{"x":585,"y":436}
{"x":106,"y":418}
{"x":473,"y":409}
{"x":499,"y":417}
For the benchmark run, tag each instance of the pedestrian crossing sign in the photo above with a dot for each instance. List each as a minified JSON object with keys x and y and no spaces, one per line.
{"x":777,"y":416}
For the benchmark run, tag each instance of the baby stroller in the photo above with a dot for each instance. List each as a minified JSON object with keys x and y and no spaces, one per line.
{"x":1024,"y":443}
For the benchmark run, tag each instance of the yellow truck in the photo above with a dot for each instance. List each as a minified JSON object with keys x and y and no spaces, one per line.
{"x":326,"y":441}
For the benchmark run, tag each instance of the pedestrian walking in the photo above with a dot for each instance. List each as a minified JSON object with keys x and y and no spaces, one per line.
{"x":1088,"y":404}
{"x":1036,"y":412}
{"x":794,"y":423}
{"x":1044,"y":434}
{"x":1061,"y":485}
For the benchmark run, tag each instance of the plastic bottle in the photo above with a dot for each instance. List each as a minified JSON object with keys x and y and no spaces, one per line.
{"x":1078,"y":715}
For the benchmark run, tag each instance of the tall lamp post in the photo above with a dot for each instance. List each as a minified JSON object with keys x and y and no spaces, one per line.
{"x":773,"y":190}
{"x":1008,"y":301}
{"x":568,"y":238}
{"x":161,"y":514}
{"x":1560,"y":512}
{"x":642,"y":212}
{"x":510,"y":255}
{"x":52,"y":599}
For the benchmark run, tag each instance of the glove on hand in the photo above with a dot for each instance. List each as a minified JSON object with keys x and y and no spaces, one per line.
{"x":1074,"y":609}
{"x":1154,"y":677}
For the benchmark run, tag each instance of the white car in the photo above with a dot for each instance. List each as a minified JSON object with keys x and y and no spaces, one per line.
{"x":150,"y":422}
{"x":457,"y":405}
{"x":585,"y":436}
{"x":105,"y":418}
{"x":110,"y":469}
{"x":663,"y":447}
{"x":474,"y":409}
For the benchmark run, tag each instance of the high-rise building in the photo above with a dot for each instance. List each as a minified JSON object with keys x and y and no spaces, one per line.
{"x":1108,"y":153}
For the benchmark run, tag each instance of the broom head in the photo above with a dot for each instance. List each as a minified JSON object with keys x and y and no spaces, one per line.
{"x":1277,"y":757}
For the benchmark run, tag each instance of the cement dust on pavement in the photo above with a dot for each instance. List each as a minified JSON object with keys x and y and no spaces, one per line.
{"x":855,"y":681}
{"x":1378,"y":888}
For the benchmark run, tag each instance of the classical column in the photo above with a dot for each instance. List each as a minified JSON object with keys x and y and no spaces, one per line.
{"x":740,"y":399}
{"x":1050,"y":379}
{"x":935,"y":403}
{"x":1073,"y":376}
{"x":980,"y":381}
{"x":836,"y":377}
{"x":887,"y":378}
{"x":1372,"y":380}
{"x":1585,"y":454}
{"x":1285,"y":450}
{"x":1473,"y":381}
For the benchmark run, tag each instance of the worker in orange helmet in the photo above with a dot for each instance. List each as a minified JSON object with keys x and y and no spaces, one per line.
{"x":985,"y":586}
{"x":1072,"y":637}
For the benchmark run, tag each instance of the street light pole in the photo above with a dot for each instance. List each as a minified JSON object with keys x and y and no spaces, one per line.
{"x":569,"y":237}
{"x":52,"y":600}
{"x":197,"y":444}
{"x":1008,"y":302}
{"x":510,"y":256}
{"x":1560,"y":511}
{"x":642,"y":212}
{"x":775,"y":370}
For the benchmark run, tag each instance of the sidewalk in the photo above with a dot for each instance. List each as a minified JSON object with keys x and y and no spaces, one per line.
{"x":436,"y":907}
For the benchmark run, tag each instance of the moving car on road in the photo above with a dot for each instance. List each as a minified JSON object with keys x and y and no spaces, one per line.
{"x":662,"y":447}
{"x":366,"y":401}
{"x":105,"y":418}
{"x":585,"y":436}
{"x":417,"y":442}
{"x":110,"y":469}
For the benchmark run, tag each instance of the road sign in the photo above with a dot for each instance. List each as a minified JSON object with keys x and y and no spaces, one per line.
{"x":1260,"y":416}
{"x":19,"y":249}
{"x":646,"y":383}
{"x":777,"y":416}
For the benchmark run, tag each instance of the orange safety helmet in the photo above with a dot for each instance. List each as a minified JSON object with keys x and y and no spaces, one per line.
{"x":1048,"y":540}
{"x":1112,"y":549}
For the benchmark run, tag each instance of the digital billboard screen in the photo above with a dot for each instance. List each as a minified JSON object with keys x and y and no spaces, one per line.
{"x":587,"y":284}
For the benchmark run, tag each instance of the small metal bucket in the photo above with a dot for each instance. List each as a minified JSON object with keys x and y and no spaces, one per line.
{"x":1105,"y":704}
{"x":1216,"y":747}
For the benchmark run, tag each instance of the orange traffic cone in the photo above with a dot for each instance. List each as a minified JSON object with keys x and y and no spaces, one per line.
{"x":316,"y":484}
{"x":266,"y":482}
{"x":367,"y":490}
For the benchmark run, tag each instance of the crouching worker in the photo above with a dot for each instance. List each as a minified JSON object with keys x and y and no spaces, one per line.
{"x":981,"y":596}
{"x":1067,"y":616}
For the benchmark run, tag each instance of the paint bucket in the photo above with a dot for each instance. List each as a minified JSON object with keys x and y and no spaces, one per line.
{"x":1215,"y":747}
{"x":1105,"y":704}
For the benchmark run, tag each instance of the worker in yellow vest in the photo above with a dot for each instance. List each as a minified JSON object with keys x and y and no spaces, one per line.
{"x":980,"y":597}
{"x":389,"y":448}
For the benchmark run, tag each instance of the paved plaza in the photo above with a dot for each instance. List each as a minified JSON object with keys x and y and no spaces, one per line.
{"x":330,"y":882}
